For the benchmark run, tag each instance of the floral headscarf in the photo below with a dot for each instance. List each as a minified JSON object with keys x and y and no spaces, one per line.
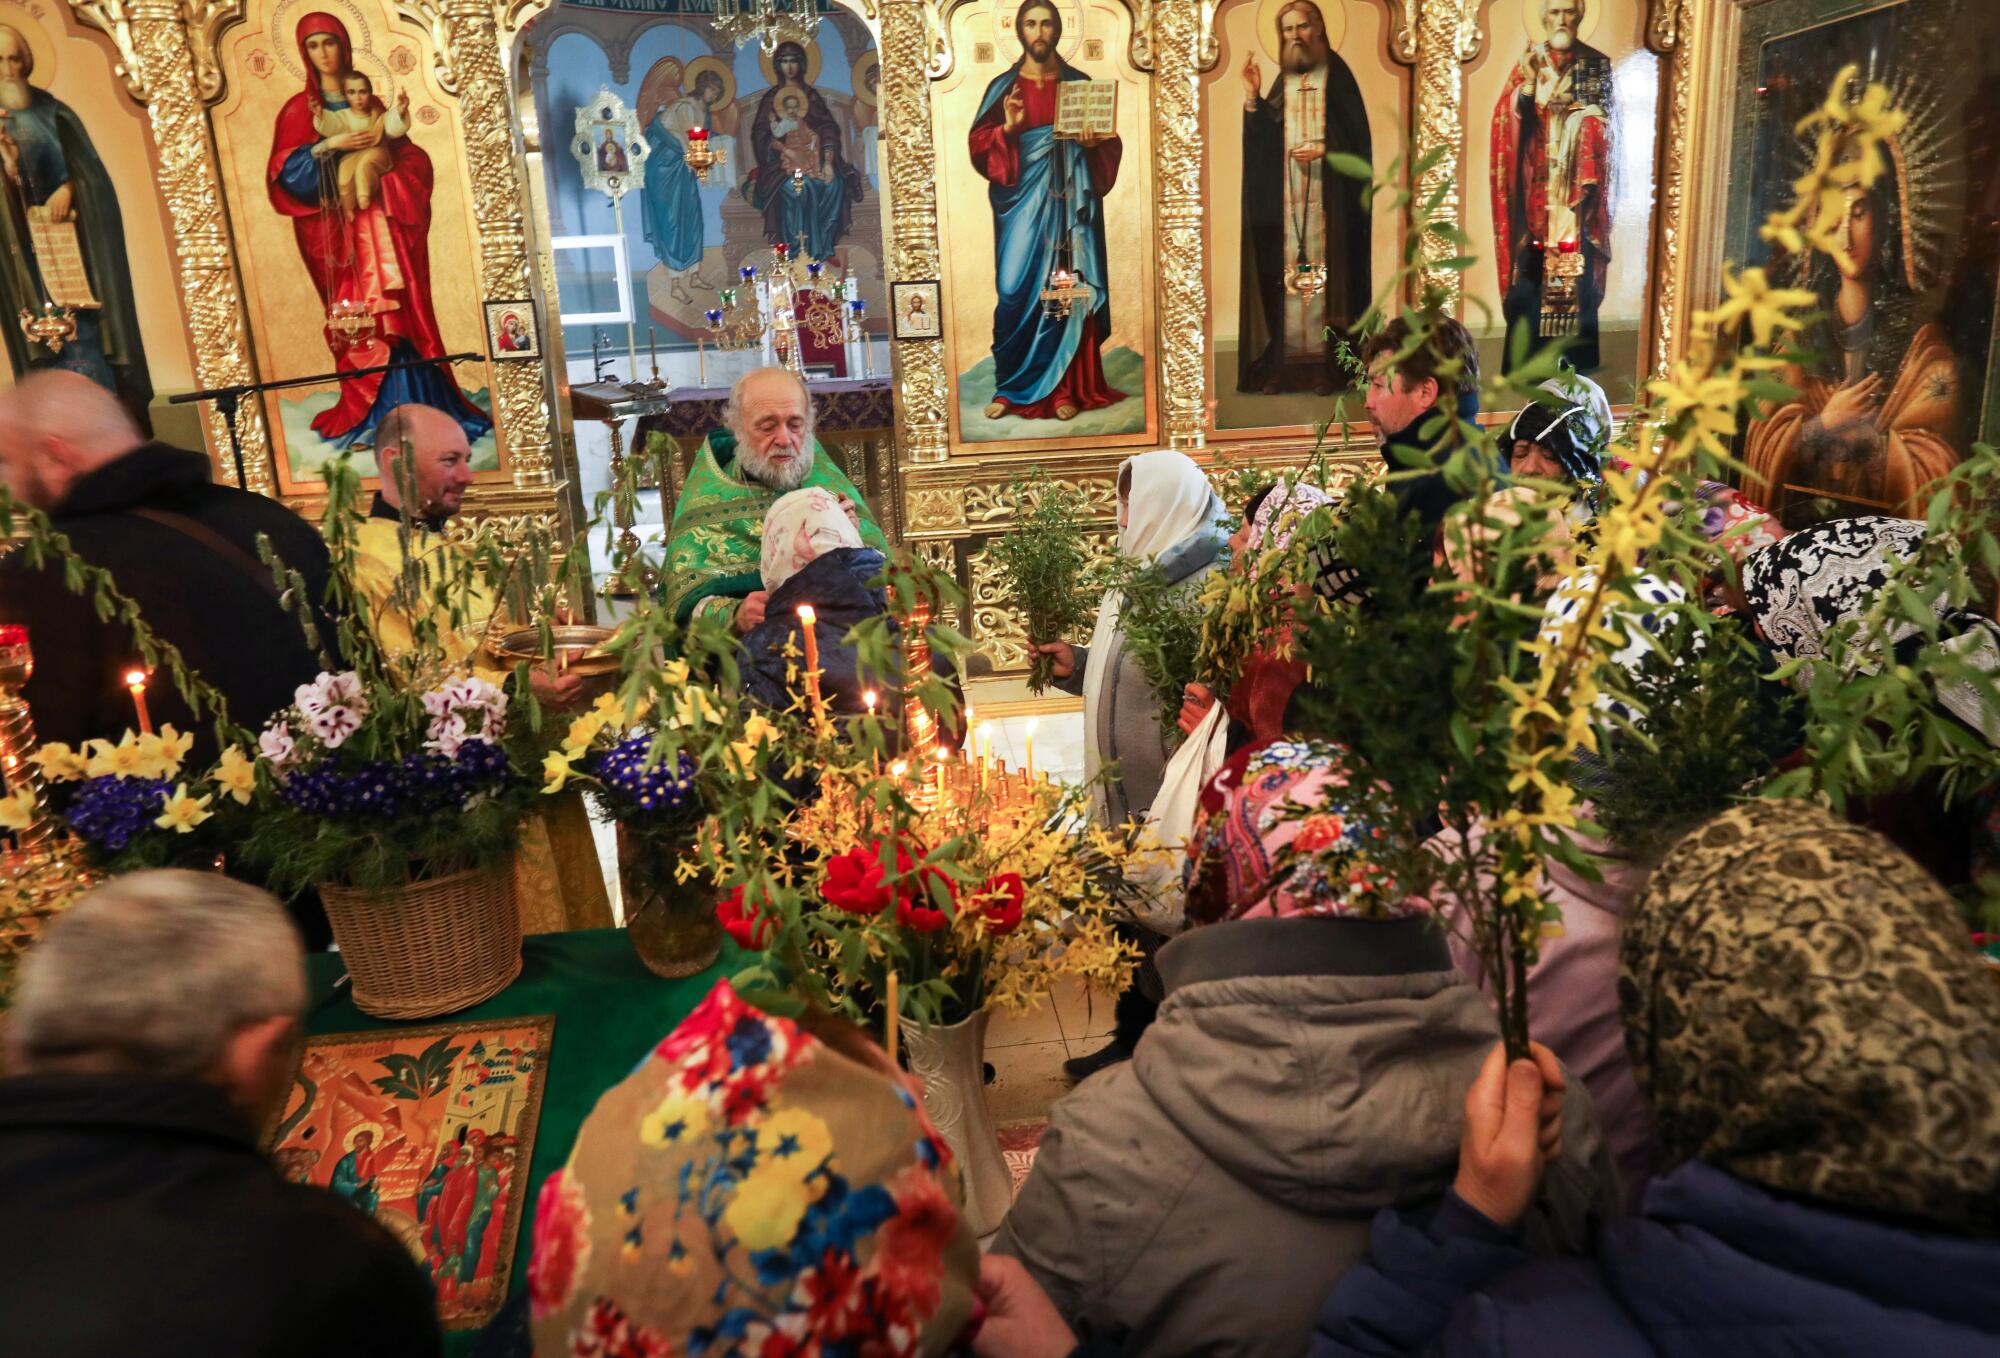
{"x":1804,"y":1009}
{"x":801,"y":527}
{"x":1656,"y":601}
{"x":749,"y":1189}
{"x":1279,"y":515}
{"x":1279,"y":842}
{"x":1805,"y":586}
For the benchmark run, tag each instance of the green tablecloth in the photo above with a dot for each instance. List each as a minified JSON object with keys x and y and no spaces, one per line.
{"x":610,"y":1011}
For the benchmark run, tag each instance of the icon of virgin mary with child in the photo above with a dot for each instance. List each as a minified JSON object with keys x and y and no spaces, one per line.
{"x":377,"y":256}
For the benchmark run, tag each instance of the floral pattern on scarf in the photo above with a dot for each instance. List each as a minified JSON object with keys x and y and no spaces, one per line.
{"x":1278,"y":842}
{"x":1804,"y":1010}
{"x":749,"y":1189}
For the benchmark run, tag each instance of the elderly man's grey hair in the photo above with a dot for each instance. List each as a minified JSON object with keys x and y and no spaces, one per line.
{"x":732,"y":409}
{"x":153,"y":973}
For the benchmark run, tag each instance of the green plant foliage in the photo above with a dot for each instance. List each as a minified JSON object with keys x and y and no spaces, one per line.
{"x":1162,"y":624}
{"x":1042,"y":560}
{"x":1714,"y":727}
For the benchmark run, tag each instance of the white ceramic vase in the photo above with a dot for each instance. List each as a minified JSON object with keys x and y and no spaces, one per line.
{"x":951,"y":1062}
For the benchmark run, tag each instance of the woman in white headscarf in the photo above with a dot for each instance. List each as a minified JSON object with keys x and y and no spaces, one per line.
{"x":1168,"y":515}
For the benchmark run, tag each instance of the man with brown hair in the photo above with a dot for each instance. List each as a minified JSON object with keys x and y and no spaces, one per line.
{"x":1415,"y":402}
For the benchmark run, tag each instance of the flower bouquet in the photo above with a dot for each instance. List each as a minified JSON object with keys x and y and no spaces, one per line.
{"x":128,"y":804}
{"x":646,"y":771}
{"x":403,"y":807}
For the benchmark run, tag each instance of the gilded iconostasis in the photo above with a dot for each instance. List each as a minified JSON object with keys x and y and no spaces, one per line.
{"x":1062,"y":230}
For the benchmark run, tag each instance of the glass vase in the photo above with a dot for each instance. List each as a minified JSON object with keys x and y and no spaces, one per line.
{"x":672,"y":924}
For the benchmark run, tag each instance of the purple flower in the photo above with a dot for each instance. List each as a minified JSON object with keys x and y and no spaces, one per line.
{"x":665,"y":787}
{"x":109,"y":810}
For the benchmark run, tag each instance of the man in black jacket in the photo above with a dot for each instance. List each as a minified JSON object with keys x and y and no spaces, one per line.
{"x":183,"y":548}
{"x":153,"y":1034}
{"x":1415,"y":402}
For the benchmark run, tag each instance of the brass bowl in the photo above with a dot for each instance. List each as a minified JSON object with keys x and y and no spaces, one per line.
{"x":579,"y":648}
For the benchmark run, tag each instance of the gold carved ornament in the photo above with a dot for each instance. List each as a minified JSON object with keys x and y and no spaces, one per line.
{"x":911,"y":31}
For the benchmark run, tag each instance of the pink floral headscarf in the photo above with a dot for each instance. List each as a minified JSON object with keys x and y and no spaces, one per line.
{"x":799,"y":529}
{"x":1283,"y":843}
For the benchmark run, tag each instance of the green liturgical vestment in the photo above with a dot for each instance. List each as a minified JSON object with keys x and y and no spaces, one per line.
{"x":716,"y":543}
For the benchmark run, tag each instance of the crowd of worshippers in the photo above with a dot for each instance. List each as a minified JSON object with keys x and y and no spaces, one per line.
{"x":1762,"y":1116}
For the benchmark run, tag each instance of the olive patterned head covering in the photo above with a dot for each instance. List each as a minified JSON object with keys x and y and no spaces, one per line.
{"x":1804,"y":1009}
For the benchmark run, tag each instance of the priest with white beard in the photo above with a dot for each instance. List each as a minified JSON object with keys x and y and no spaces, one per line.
{"x":766,"y":449}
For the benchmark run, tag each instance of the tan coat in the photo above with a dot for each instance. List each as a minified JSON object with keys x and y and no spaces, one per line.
{"x":1204,"y":1197}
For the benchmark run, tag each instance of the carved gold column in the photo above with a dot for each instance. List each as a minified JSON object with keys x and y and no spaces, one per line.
{"x":1438,"y":37}
{"x":1180,"y":46}
{"x":922,"y":391}
{"x":1671,"y":32}
{"x":161,"y":60}
{"x":467,"y":35}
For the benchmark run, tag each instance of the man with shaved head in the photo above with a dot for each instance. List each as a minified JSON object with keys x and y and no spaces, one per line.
{"x":426,"y":467}
{"x":182,"y":547}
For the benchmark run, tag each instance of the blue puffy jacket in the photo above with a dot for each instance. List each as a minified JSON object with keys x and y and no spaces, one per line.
{"x":1716,"y":1267}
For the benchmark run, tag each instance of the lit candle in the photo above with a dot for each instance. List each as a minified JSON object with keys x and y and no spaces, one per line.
{"x":897,"y":769}
{"x":806,"y":618}
{"x":1029,"y":762}
{"x":940,"y":783}
{"x":135,"y":680}
{"x":985,"y":746}
{"x":868,"y":700}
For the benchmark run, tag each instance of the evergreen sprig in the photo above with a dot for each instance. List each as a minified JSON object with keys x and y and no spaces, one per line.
{"x":1042,"y":560}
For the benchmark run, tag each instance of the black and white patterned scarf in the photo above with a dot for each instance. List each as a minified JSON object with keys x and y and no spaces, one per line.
{"x":1803,"y":587}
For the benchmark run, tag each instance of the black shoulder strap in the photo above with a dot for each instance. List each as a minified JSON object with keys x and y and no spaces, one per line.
{"x":244,"y":562}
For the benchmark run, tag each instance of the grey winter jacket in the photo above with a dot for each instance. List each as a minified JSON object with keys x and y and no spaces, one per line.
{"x":1126,"y":728}
{"x":1204,"y":1197}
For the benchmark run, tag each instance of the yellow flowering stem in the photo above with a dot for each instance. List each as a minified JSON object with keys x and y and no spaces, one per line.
{"x":889,"y":1033}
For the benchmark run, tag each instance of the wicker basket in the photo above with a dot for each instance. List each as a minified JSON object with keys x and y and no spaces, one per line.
{"x":432,"y":947}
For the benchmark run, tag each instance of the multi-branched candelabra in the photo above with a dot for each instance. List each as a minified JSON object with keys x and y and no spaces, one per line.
{"x":42,"y":870}
{"x":796,"y":295}
{"x":763,"y":22}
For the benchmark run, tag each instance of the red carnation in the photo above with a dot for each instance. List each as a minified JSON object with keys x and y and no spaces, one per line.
{"x":1005,"y":895}
{"x":749,"y":927}
{"x":854,"y":882}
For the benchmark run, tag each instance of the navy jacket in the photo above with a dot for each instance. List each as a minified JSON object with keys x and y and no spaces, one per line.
{"x":836,"y":585}
{"x":1715,"y":1268}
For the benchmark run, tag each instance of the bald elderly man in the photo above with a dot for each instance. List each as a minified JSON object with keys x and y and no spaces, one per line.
{"x":765,"y":450}
{"x":183,"y":548}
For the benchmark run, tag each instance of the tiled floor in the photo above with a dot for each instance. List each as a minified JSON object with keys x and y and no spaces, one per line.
{"x":1027,"y":1052}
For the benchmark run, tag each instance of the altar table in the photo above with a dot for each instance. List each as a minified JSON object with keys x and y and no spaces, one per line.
{"x":609,"y":1010}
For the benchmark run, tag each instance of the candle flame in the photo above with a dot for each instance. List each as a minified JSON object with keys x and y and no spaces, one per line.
{"x":1031,"y":725}
{"x":986,"y":730}
{"x":869,"y":698}
{"x":897,"y":768}
{"x":806,"y":614}
{"x":135,"y":679}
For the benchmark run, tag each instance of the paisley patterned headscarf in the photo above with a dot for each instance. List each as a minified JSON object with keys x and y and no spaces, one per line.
{"x":1811,"y":582}
{"x":1804,"y":1009}
{"x":751,"y":1189}
{"x":1281,"y":512}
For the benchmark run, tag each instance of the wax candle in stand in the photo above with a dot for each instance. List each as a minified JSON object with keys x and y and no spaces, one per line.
{"x":135,"y":680}
{"x":985,"y":752}
{"x":806,"y":619}
{"x":869,"y":700}
{"x":1028,"y":763}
